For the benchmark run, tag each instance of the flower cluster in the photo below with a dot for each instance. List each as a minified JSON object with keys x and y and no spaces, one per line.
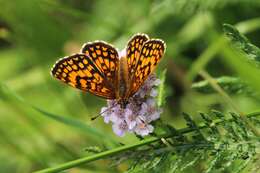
{"x":139,"y":112}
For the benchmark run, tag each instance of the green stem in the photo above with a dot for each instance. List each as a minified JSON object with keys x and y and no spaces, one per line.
{"x":217,"y":88}
{"x":98,"y":156}
{"x":117,"y":150}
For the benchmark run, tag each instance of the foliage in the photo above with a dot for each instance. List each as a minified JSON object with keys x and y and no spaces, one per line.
{"x":210,"y":64}
{"x":221,"y":146}
{"x":242,"y":43}
{"x":231,"y":85}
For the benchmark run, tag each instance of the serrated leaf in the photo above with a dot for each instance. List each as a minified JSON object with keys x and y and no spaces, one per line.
{"x":215,"y":160}
{"x":192,"y":124}
{"x":242,"y":43}
{"x":231,"y":85}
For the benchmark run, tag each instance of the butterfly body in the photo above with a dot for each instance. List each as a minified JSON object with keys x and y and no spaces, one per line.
{"x":123,"y":80}
{"x":101,"y":70}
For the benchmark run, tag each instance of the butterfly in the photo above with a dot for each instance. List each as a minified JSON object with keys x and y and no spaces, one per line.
{"x":105,"y":72}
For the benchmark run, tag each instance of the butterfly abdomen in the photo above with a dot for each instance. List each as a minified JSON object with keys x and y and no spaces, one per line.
{"x":123,"y":80}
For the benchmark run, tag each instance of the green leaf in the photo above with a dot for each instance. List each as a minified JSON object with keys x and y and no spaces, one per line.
{"x":242,"y":43}
{"x":238,"y":62}
{"x":231,"y":85}
{"x":161,"y":89}
{"x":151,"y":155}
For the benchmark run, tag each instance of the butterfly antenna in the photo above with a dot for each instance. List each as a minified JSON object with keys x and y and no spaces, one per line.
{"x":108,"y":109}
{"x":95,"y":117}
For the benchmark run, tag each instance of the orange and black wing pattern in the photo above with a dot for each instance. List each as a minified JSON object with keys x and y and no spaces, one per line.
{"x":105,"y":57}
{"x":133,"y":50}
{"x":151,"y":53}
{"x":79,"y":71}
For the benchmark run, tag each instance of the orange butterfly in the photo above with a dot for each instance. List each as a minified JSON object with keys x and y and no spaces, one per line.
{"x":101,"y":70}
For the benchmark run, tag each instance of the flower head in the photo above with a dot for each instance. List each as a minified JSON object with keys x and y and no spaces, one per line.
{"x":139,"y":112}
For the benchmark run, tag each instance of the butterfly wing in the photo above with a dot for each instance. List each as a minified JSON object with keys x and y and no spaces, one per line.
{"x":151,"y":53}
{"x":105,"y":57}
{"x":134,"y":47}
{"x":79,"y":71}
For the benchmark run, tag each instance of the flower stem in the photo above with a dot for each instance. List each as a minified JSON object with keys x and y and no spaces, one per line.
{"x":117,"y":150}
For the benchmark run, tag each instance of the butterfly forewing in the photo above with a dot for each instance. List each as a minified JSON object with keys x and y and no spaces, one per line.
{"x":98,"y":69}
{"x":134,"y":47}
{"x":105,"y":57}
{"x":80,"y":72}
{"x":150,"y":55}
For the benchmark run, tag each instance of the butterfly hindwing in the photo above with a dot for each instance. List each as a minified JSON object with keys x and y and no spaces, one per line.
{"x":134,"y":47}
{"x":80,"y":72}
{"x":105,"y":57}
{"x":98,"y":69}
{"x":150,"y":55}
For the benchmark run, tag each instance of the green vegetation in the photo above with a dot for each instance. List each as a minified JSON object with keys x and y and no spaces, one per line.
{"x":209,"y":91}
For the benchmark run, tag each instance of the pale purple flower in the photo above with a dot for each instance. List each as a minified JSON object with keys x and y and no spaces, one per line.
{"x":130,"y":119}
{"x":156,"y":82}
{"x":117,"y":114}
{"x":143,"y":128}
{"x":150,"y":111}
{"x":139,"y":112}
{"x":106,"y":114}
{"x":153,"y":92}
{"x":120,"y":128}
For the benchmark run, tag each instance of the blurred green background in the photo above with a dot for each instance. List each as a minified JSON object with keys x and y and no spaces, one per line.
{"x":36,"y":33}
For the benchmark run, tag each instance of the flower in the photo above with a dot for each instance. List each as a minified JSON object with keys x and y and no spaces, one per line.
{"x":143,"y":128}
{"x":120,"y":128}
{"x":149,"y":110}
{"x":139,"y":112}
{"x":106,"y":114}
